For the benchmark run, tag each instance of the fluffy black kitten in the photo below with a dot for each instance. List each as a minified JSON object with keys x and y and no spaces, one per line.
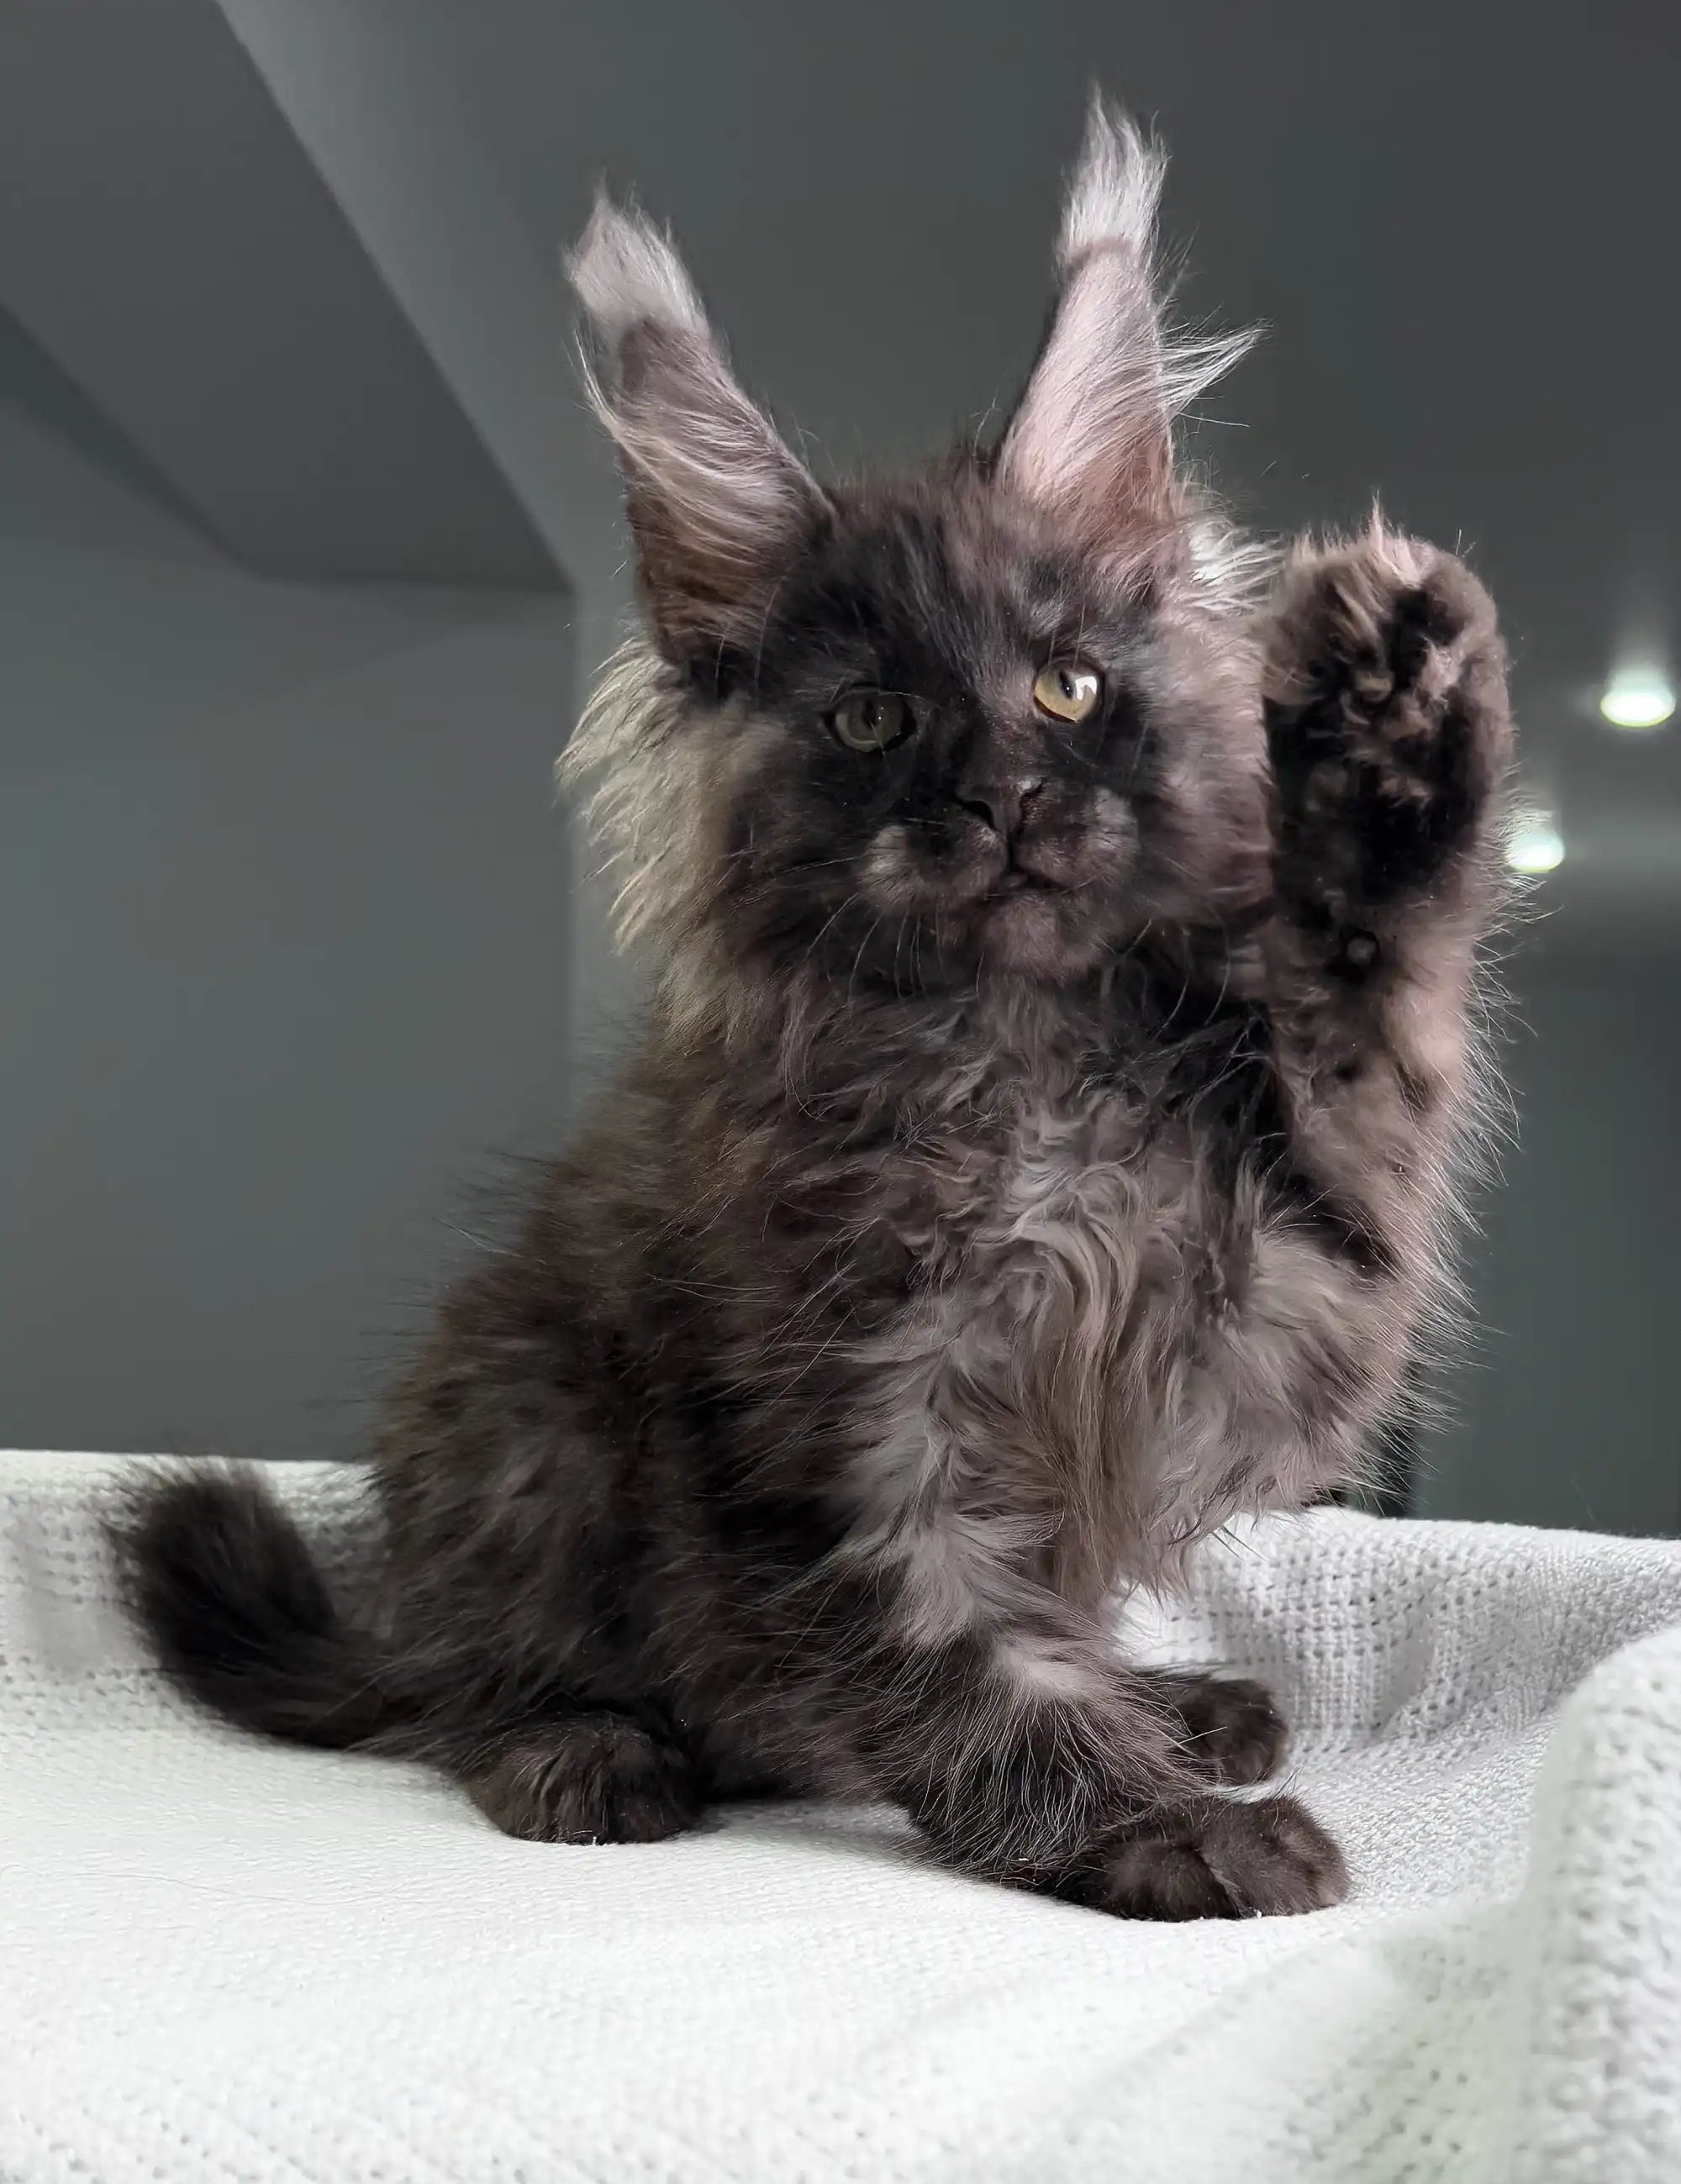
{"x":1038,"y":1150}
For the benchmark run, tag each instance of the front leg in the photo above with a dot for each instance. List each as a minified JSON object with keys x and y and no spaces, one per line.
{"x":1390,"y":741}
{"x":1028,"y":1754}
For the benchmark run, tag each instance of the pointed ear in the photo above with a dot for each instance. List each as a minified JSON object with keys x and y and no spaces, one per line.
{"x":717,"y":501}
{"x":1092,"y":437}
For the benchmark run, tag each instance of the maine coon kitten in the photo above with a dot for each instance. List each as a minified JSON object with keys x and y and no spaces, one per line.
{"x":1038,"y":1150}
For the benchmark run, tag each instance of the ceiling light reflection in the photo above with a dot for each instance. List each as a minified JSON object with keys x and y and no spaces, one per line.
{"x":1637,"y":698}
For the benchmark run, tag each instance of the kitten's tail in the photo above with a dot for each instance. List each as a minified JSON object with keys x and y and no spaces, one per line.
{"x":221,"y":1581}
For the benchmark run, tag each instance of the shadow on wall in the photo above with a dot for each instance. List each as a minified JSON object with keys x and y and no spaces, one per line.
{"x":296,"y":905}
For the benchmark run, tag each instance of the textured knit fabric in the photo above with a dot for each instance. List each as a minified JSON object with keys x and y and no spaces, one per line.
{"x":221,"y":1958}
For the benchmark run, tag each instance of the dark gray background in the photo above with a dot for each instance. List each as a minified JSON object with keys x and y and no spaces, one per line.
{"x":297,"y":959}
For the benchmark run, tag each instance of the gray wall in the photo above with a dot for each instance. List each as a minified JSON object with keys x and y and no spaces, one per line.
{"x":374,"y":91}
{"x":286,"y":902}
{"x":1566,"y":1408}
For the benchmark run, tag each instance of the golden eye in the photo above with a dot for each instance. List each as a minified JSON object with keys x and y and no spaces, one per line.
{"x":1068,"y":690}
{"x":872,"y":721}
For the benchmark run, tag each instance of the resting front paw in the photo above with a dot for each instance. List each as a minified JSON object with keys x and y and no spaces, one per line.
{"x":1387,"y":722}
{"x":1233,"y":1730}
{"x":1212,"y":1859}
{"x":584,"y":1778}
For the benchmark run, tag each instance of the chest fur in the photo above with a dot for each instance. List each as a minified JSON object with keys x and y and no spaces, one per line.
{"x":1053,"y":1240}
{"x":1060,"y":1262}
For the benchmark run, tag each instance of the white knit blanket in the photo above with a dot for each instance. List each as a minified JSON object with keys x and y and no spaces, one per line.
{"x":220,"y":1958}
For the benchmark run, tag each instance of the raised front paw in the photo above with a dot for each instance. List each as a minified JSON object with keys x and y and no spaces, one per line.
{"x":1233,"y":1732}
{"x":1215,"y":1859}
{"x":1387,"y":722}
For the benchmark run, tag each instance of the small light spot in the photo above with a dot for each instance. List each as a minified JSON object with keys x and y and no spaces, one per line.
{"x":1535,"y":844}
{"x":1638,"y":697}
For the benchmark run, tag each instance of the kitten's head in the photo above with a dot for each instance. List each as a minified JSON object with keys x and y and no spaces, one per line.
{"x":1002,"y":718}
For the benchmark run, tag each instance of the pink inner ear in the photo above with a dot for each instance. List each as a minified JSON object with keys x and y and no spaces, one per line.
{"x":697,"y":444}
{"x":1092,"y":441}
{"x":717,"y":499}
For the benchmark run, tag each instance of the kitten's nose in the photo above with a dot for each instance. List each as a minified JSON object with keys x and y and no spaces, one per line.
{"x":1004,"y":805}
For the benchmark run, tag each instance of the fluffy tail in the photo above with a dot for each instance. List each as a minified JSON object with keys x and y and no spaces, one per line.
{"x":221,"y":1581}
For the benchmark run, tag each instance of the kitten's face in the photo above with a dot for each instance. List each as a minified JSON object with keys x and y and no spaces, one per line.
{"x":976,"y":750}
{"x":1001,"y":719}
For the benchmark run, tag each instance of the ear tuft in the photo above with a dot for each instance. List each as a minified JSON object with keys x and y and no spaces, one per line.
{"x":717,"y":501}
{"x":1091,"y":440}
{"x":1115,"y":191}
{"x":627,"y":274}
